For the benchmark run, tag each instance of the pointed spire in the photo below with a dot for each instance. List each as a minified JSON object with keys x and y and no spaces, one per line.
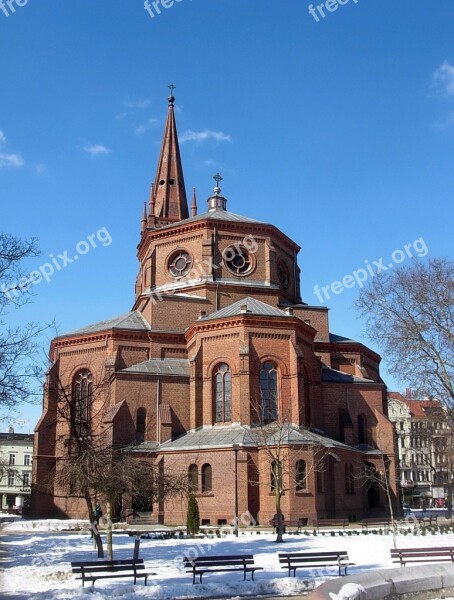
{"x":194,"y":204}
{"x":169,"y":193}
{"x":143,"y":223}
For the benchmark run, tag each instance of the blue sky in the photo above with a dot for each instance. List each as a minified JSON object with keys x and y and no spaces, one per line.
{"x":341,"y":132}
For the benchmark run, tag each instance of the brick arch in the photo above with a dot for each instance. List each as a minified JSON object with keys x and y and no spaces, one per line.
{"x":281,"y":366}
{"x":210,"y":369}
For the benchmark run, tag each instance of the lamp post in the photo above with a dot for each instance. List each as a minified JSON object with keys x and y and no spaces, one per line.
{"x":236,"y":447}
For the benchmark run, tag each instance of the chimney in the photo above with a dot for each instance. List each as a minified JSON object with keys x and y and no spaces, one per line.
{"x":243,"y":308}
{"x":408,"y":394}
{"x":202,"y":314}
{"x":289,"y":311}
{"x":11,"y":430}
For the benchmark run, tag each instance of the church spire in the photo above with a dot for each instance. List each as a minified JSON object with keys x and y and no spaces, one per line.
{"x":169,"y":193}
{"x":194,"y":204}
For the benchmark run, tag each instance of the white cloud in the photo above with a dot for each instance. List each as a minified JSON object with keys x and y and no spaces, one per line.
{"x":2,"y":137}
{"x":96,"y":149}
{"x":444,"y":77}
{"x":11,"y":160}
{"x":140,"y":103}
{"x":149,"y":124}
{"x":202,"y":136}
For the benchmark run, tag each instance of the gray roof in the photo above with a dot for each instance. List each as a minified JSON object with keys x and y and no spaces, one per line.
{"x":131,"y":320}
{"x":254,"y":307}
{"x":339,"y":339}
{"x":178,"y":367}
{"x":331,"y":375}
{"x":227,"y":435}
{"x":216,"y":215}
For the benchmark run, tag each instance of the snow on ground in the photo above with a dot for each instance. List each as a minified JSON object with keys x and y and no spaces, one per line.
{"x":38,"y":555}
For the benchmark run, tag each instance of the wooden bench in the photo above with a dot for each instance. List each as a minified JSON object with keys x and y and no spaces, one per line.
{"x":109,"y":569}
{"x":409,"y":555}
{"x":297,"y":524}
{"x":298,"y":560}
{"x":375,"y":522}
{"x":220,"y":564}
{"x":330,"y":523}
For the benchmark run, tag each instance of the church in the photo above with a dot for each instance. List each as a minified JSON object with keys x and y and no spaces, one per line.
{"x":219,"y":370}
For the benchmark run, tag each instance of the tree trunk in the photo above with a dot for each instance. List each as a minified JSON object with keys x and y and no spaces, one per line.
{"x":93,"y":526}
{"x":280,"y":519}
{"x":109,"y":530}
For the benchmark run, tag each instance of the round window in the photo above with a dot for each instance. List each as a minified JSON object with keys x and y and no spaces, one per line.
{"x":283,"y":274}
{"x":180,"y":263}
{"x":237,"y":260}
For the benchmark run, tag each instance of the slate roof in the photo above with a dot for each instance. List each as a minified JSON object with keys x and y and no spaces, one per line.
{"x":131,"y":320}
{"x":339,"y":339}
{"x":178,"y":367}
{"x":333,"y":376}
{"x":254,"y":307}
{"x":226,"y":436}
{"x":215,"y":215}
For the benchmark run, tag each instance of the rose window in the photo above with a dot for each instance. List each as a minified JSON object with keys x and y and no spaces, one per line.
{"x":283,"y":274}
{"x":180,"y":264}
{"x":237,"y":260}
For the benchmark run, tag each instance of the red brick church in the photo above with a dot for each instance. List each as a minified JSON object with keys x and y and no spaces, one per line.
{"x":217,"y":344}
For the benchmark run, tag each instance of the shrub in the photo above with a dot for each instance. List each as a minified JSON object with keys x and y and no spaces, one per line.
{"x":193,"y":516}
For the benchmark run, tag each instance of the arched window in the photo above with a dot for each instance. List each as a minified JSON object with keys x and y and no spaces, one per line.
{"x":362,"y":429}
{"x":223,"y":393}
{"x":193,"y":478}
{"x":141,"y":424}
{"x":268,"y":391}
{"x":300,"y":476}
{"x":82,"y":400}
{"x":207,"y":478}
{"x":276,"y":477}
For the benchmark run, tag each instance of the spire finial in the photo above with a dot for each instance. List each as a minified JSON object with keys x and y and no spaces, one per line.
{"x":171,"y":97}
{"x":218,"y":179}
{"x":143,"y":223}
{"x":194,"y":204}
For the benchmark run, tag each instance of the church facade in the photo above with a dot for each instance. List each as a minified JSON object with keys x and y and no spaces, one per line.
{"x":219,"y":356}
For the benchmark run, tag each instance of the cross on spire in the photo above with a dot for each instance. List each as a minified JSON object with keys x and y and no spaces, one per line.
{"x":171,"y":97}
{"x":217,"y":179}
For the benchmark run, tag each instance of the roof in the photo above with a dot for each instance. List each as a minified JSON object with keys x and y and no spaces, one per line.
{"x":16,"y":437}
{"x":339,"y":339}
{"x":214,"y":215}
{"x":132,"y":320}
{"x":178,"y":367}
{"x":227,"y":435}
{"x":331,"y":375}
{"x":421,"y":409}
{"x":253,"y":307}
{"x":112,"y":412}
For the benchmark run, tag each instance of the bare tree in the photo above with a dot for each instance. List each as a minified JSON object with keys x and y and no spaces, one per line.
{"x":277,"y":439}
{"x":89,"y":466}
{"x":18,"y":344}
{"x":410,"y":315}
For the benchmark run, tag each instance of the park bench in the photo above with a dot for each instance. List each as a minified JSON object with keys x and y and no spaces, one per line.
{"x":109,"y":569}
{"x":428,"y":521}
{"x":409,"y":555}
{"x":375,"y":522}
{"x":330,"y":523}
{"x":297,"y":560}
{"x":297,"y":524}
{"x":220,"y":564}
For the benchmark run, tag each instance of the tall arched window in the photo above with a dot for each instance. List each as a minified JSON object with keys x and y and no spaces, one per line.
{"x":300,"y":475}
{"x":82,"y":401}
{"x":193,"y":478}
{"x":141,"y":424}
{"x":362,"y":429}
{"x":223,"y":393}
{"x":207,"y":478}
{"x":268,"y":391}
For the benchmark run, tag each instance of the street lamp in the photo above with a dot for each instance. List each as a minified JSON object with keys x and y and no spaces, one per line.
{"x":236,"y":447}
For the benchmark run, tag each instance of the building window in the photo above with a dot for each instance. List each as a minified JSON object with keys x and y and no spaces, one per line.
{"x":193,"y":478}
{"x":83,"y":397}
{"x":27,"y":460}
{"x":180,"y":263}
{"x":362,"y":429}
{"x":11,"y":478}
{"x":26,"y":479}
{"x":283,"y":274}
{"x":141,"y":424}
{"x":276,"y":477}
{"x":268,"y":391}
{"x":349,"y":479}
{"x":12,"y":459}
{"x":237,"y":260}
{"x":207,"y":478}
{"x":223,"y":392}
{"x":301,"y":476}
